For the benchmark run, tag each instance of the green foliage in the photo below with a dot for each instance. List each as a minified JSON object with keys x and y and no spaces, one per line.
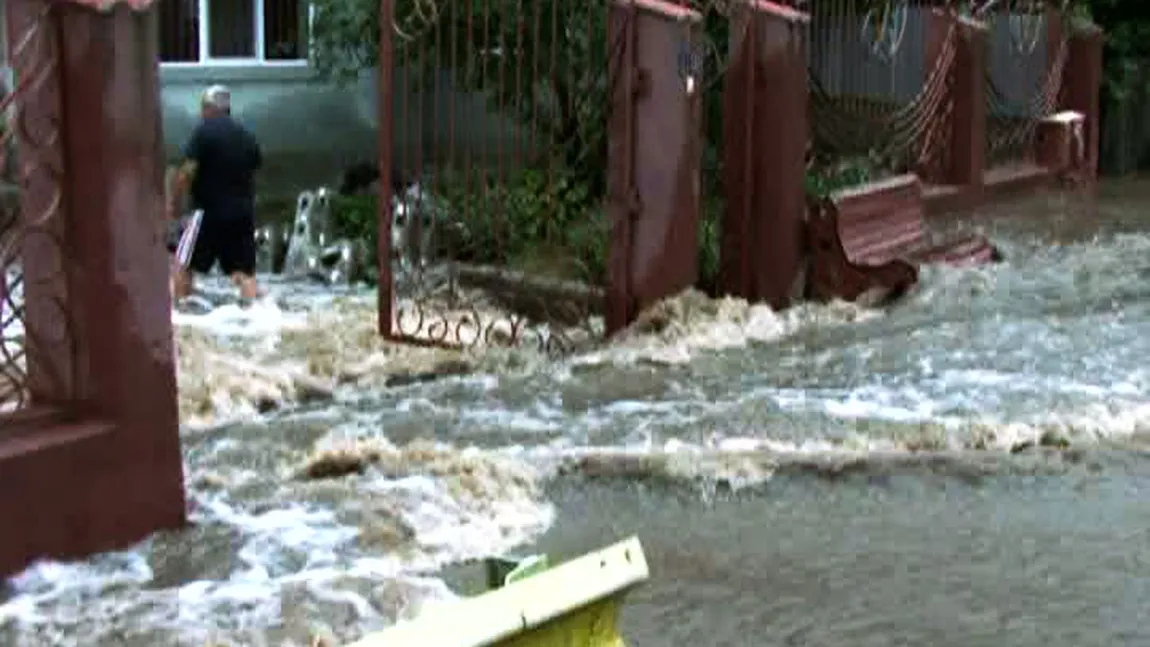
{"x":554,"y":83}
{"x":709,"y":240}
{"x":821,"y":182}
{"x":356,"y":217}
{"x":1127,"y":47}
{"x":540,"y":62}
{"x":275,"y":207}
{"x":345,"y":38}
{"x":547,"y":223}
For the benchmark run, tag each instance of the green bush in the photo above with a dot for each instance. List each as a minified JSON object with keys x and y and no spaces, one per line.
{"x":822,"y":181}
{"x":546,"y":223}
{"x":531,"y":221}
{"x":356,"y":217}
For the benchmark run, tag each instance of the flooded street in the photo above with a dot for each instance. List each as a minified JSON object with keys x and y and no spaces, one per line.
{"x":967,"y":468}
{"x":887,"y":557}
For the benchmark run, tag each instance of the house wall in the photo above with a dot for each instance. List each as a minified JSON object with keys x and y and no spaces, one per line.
{"x":310,"y":130}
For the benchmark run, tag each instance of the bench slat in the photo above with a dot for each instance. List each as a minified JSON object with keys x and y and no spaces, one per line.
{"x":882,"y":234}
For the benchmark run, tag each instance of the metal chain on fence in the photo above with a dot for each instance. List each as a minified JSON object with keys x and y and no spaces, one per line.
{"x":892,"y":133}
{"x":1011,"y":127}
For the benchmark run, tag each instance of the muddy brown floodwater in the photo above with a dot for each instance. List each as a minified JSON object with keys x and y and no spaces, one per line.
{"x":968,"y":468}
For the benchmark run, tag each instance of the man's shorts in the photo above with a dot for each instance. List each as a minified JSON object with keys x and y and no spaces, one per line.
{"x":229,"y":240}
{"x":175,"y":234}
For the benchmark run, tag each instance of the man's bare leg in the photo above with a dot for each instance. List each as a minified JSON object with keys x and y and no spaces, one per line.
{"x":181,"y":283}
{"x":249,"y":288}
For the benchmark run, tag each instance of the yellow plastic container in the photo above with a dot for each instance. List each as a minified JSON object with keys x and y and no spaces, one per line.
{"x":575,"y":604}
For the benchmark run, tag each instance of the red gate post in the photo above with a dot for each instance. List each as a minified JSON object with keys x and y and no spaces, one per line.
{"x":654,"y":154}
{"x":764,"y":142}
{"x":962,"y":41}
{"x":385,"y":290}
{"x":109,"y":471}
{"x":1082,"y":84}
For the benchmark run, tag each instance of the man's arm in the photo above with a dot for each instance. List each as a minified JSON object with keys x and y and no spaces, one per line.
{"x":179,"y":178}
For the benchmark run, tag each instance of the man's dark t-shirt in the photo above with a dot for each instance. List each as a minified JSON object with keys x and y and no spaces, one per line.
{"x":227,"y":157}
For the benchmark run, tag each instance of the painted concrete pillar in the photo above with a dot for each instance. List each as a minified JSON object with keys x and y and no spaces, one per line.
{"x":95,"y":464}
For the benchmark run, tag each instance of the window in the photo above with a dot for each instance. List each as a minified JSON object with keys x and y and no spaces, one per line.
{"x":269,"y":31}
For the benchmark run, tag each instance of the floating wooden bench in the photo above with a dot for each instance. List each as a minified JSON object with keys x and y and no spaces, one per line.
{"x":870,"y":240}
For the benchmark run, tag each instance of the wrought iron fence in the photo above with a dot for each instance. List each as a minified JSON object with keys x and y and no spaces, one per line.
{"x":880,"y":80}
{"x":876,"y":94}
{"x":496,"y":137}
{"x":499,"y":126}
{"x":1023,"y":77}
{"x":498,"y":117}
{"x":34,"y":321}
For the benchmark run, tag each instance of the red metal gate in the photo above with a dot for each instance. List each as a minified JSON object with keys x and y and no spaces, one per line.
{"x":592,"y":136}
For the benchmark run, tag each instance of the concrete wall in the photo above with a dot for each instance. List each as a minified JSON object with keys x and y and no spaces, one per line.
{"x":310,"y":130}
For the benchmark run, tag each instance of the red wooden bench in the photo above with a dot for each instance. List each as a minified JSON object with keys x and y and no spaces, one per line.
{"x":870,"y":240}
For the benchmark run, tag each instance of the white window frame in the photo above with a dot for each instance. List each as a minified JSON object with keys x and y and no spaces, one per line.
{"x":259,"y":37}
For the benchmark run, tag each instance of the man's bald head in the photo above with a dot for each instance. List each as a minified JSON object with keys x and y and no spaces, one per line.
{"x":216,"y":100}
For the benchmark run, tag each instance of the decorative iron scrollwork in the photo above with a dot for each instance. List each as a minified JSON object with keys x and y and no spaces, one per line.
{"x":32,"y":235}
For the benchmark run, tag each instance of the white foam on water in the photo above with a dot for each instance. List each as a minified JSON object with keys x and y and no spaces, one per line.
{"x":73,"y":605}
{"x":461,"y":502}
{"x":235,"y":361}
{"x":294,"y":344}
{"x":296,"y":563}
{"x":538,"y":421}
{"x":946,"y":395}
{"x":678,"y":329}
{"x":263,"y":318}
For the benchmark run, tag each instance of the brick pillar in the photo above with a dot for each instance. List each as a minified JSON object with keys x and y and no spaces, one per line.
{"x":764,"y":146}
{"x":1081,"y":86}
{"x":111,"y":471}
{"x":654,"y":154}
{"x":114,"y":157}
{"x":965,"y":152}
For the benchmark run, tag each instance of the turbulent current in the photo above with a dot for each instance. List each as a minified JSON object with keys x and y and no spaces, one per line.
{"x":968,"y":467}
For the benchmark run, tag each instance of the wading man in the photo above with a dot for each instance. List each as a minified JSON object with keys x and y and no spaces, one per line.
{"x":218,"y":165}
